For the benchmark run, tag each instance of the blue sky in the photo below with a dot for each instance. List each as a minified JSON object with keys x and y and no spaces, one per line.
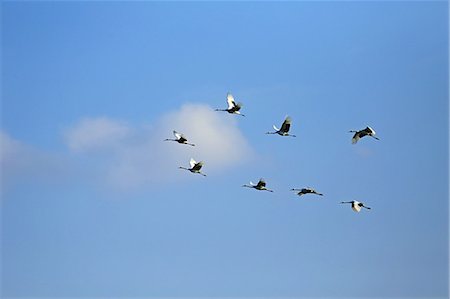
{"x":93,"y":204}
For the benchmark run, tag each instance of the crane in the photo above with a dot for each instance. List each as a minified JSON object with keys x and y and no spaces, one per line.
{"x":368,"y":131}
{"x":306,"y":190}
{"x":180,"y":138}
{"x":284,"y":131}
{"x":261,"y":185}
{"x":195,"y":167}
{"x":356,"y":205}
{"x":233,"y":107}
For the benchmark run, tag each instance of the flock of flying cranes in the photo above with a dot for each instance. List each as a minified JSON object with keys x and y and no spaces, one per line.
{"x":234,"y":108}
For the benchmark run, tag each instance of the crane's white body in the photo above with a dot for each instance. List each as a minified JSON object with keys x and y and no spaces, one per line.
{"x":356,"y":205}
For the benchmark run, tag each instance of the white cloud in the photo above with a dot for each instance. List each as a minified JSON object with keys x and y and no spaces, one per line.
{"x":134,"y":157}
{"x":113,"y":154}
{"x":95,"y":133}
{"x":218,"y":139}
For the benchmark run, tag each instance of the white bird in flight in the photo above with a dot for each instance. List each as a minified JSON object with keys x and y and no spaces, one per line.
{"x":307,"y":190}
{"x":260,"y":186}
{"x":356,"y":205}
{"x":180,"y":138}
{"x":284,"y":131}
{"x":368,"y":131}
{"x":233,"y":107}
{"x":195,"y":167}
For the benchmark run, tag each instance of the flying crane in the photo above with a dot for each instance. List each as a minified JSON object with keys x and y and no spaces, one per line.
{"x":180,"y":138}
{"x":284,"y":130}
{"x":195,"y":167}
{"x":233,"y":107}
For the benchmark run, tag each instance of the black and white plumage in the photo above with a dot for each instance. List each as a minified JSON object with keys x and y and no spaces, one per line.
{"x":180,"y":138}
{"x":195,"y":167}
{"x":306,"y":190}
{"x":233,"y":107}
{"x":368,"y":131}
{"x":261,"y":185}
{"x":285,"y":127}
{"x":356,"y":205}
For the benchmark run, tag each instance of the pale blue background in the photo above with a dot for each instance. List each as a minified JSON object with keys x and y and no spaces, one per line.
{"x":332,"y":66}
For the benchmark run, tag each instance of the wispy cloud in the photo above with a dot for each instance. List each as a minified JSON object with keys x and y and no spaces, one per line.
{"x":95,"y":133}
{"x":141,"y":157}
{"x":112,"y":153}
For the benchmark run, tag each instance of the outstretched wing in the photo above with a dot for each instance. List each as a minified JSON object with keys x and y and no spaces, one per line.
{"x":261,"y":183}
{"x":369,"y":130}
{"x":230,"y":101}
{"x":180,"y":137}
{"x":197,"y":166}
{"x":355,"y":138}
{"x":192,"y":163}
{"x":286,"y":125}
{"x":237,"y":107}
{"x":177,"y":135}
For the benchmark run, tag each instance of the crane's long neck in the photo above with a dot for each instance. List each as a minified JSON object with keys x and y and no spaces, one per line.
{"x":221,"y":110}
{"x":170,"y":139}
{"x":181,"y":167}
